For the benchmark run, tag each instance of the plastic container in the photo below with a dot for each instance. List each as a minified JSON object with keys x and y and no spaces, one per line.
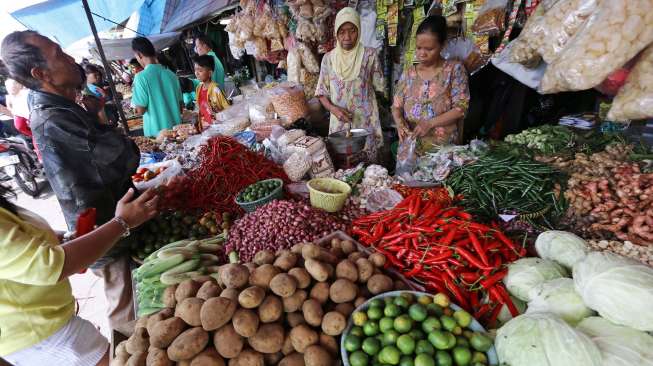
{"x":274,"y":195}
{"x":474,"y":326}
{"x":321,"y":197}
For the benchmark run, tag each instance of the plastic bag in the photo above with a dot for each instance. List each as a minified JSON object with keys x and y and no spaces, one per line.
{"x":523,"y":49}
{"x":383,"y":199}
{"x":260,"y":108}
{"x":297,"y":165}
{"x":491,"y":17}
{"x":308,"y":59}
{"x":172,"y":169}
{"x":616,"y":32}
{"x":406,"y":157}
{"x":465,"y":51}
{"x":321,"y":164}
{"x":635,"y":100}
{"x":237,"y":112}
{"x":614,"y":82}
{"x":294,"y":65}
{"x":530,"y":77}
{"x":289,"y":103}
{"x":236,"y":48}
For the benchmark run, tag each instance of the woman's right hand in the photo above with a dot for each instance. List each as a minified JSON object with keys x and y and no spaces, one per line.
{"x":137,"y":211}
{"x":403,"y":132}
{"x":342,"y":114}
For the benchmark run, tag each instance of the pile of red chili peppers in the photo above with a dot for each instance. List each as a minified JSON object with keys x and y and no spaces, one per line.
{"x":226,"y":167}
{"x":440,"y":246}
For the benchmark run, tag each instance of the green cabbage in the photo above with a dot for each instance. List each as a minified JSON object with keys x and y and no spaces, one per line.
{"x":562,"y":247}
{"x":559,"y":297}
{"x":543,"y":339}
{"x":618,"y":288}
{"x":526,"y":273}
{"x":619,"y":345}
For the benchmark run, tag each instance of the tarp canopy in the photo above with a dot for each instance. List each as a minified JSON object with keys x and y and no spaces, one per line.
{"x":121,"y":49}
{"x":180,"y":14}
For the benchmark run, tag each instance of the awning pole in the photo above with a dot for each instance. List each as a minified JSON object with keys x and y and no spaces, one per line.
{"x":107,"y":67}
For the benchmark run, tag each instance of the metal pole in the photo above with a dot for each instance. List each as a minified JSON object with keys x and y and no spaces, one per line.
{"x":107,"y":67}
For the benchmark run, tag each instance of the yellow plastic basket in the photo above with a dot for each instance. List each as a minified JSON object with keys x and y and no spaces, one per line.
{"x":320,"y":190}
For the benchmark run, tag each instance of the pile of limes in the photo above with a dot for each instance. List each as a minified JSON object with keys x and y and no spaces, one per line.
{"x":407,"y":330}
{"x":258,"y":190}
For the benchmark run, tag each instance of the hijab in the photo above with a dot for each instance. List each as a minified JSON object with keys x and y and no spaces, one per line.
{"x":347,"y":63}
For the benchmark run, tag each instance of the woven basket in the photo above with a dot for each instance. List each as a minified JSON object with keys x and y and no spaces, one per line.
{"x":274,"y":195}
{"x":319,"y":189}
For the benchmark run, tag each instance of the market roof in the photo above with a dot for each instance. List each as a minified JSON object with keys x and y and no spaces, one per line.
{"x":120,"y":49}
{"x":183,"y":13}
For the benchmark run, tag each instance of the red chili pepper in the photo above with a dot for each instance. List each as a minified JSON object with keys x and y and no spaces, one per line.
{"x":482,"y":311}
{"x":455,"y":262}
{"x":469,"y":277}
{"x":504,"y":239}
{"x":464,"y":216}
{"x":457,"y":294}
{"x":492,"y":321}
{"x":451,"y":212}
{"x":471,"y":259}
{"x":506,"y":299}
{"x":432,"y":259}
{"x":416,"y":269}
{"x":473,"y":299}
{"x":478,"y":248}
{"x":449,"y":238}
{"x":493,"y":279}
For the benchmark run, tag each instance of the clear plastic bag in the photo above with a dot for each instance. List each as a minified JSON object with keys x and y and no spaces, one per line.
{"x":308,"y":58}
{"x":406,"y":157}
{"x":383,"y":199}
{"x":289,"y":103}
{"x":635,"y":100}
{"x":524,"y":50}
{"x":260,"y":108}
{"x":294,"y":63}
{"x":172,"y":169}
{"x":238,"y":111}
{"x":491,"y":18}
{"x":297,"y":165}
{"x":465,"y":51}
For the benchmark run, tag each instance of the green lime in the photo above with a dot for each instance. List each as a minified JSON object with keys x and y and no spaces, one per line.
{"x":406,"y":344}
{"x":423,"y":346}
{"x":434,"y":309}
{"x":371,"y":346}
{"x":480,"y":342}
{"x":357,"y":331}
{"x":390,"y":338}
{"x":463,"y":318}
{"x":479,"y":357}
{"x":386,"y":324}
{"x":424,"y":359}
{"x":462,"y":356}
{"x":417,"y":312}
{"x":409,"y":297}
{"x":417,"y":334}
{"x":425,"y":300}
{"x":442,"y":340}
{"x":468,"y":334}
{"x":403,"y":324}
{"x":430,"y":324}
{"x":378,"y":303}
{"x":371,"y":328}
{"x":442,"y":300}
{"x":374,"y":313}
{"x":352,"y":343}
{"x":401,"y":301}
{"x":390,"y":355}
{"x":458,"y":330}
{"x":359,"y":318}
{"x":358,"y":358}
{"x":406,"y":361}
{"x":462,"y":341}
{"x":392,"y":310}
{"x":448,"y":322}
{"x":443,"y":358}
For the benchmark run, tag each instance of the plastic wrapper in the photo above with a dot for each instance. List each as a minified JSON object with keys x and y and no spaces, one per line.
{"x":276,"y":45}
{"x":246,"y":27}
{"x":232,"y":26}
{"x":383,"y":199}
{"x":173,"y":169}
{"x":465,"y":51}
{"x":289,"y":103}
{"x":524,"y":50}
{"x":308,"y":58}
{"x":306,"y":31}
{"x":309,"y":80}
{"x":635,"y":100}
{"x":263,"y":130}
{"x":237,"y":112}
{"x":491,"y":17}
{"x":282,"y":28}
{"x":294,"y":63}
{"x":406,"y":157}
{"x":236,"y":47}
{"x":297,"y":165}
{"x":261,"y":48}
{"x":616,"y":32}
{"x":321,"y":164}
{"x":260,"y":108}
{"x":313,"y":145}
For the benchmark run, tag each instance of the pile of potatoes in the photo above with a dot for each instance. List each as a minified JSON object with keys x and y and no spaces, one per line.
{"x":282,"y":309}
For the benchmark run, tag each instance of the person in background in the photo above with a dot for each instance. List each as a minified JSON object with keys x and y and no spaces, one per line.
{"x":88,"y":165}
{"x":155,"y":93}
{"x":431,"y":98}
{"x":135,"y":67}
{"x":349,"y":76}
{"x":203,"y":47}
{"x":17,"y":104}
{"x":37,"y":307}
{"x":209,"y":96}
{"x":188,"y":92}
{"x":92,"y":88}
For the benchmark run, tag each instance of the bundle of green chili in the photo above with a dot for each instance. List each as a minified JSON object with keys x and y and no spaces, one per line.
{"x":500,"y":183}
{"x":441,"y":247}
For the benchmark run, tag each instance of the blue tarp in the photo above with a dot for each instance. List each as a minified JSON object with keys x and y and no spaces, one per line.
{"x":150,"y":16}
{"x":65,"y":20}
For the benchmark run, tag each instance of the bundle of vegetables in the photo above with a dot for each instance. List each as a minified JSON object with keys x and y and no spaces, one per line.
{"x":365,"y":182}
{"x":281,"y":309}
{"x":173,"y":264}
{"x":278,"y":225}
{"x":226,"y":167}
{"x":546,"y":139}
{"x":498,"y":183}
{"x":442,"y":247}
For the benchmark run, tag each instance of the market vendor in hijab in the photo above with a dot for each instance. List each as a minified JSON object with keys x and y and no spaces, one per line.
{"x":431,"y":97}
{"x":349,"y":76}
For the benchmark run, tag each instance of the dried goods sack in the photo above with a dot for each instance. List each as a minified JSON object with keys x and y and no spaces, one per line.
{"x":635,"y":99}
{"x":524,"y":50}
{"x":614,"y":34}
{"x":297,"y":165}
{"x":289,"y":103}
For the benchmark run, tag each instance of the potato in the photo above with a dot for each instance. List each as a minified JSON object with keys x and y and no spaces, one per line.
{"x":365,"y":269}
{"x":337,"y":252}
{"x":400,"y":285}
{"x":120,"y":361}
{"x":294,"y":302}
{"x":155,"y":318}
{"x":312,"y":251}
{"x":379,"y":283}
{"x":208,"y":357}
{"x":248,"y":357}
{"x":355,"y":256}
{"x":138,"y":342}
{"x":227,"y":342}
{"x":230,"y":293}
{"x":359,"y":301}
{"x":141,"y":322}
{"x":320,"y":292}
{"x":335,"y":243}
{"x":234,"y":275}
{"x":208,"y":290}
{"x":348,"y":246}
{"x":303,"y":336}
{"x":168,"y":296}
{"x":203,"y":279}
{"x":295,"y":319}
{"x":165,"y":331}
{"x":297,"y":248}
{"x":330,"y":344}
{"x":262,"y":275}
{"x":333,"y":323}
{"x":345,"y":308}
{"x":188,"y":344}
{"x":312,"y":310}
{"x":250,"y":267}
{"x":272,"y":358}
{"x":187,"y":288}
{"x":377,"y":259}
{"x":287,"y":347}
{"x":268,"y":338}
{"x":216,"y":312}
{"x":264,"y":257}
{"x":189,"y":311}
{"x":317,"y":356}
{"x":245,"y":322}
{"x":342,"y":291}
{"x":251,"y":297}
{"x":137,"y":359}
{"x":120,"y":349}
{"x":283,"y":285}
{"x":302,"y":277}
{"x":157,"y":357}
{"x":270,"y":309}
{"x":331,"y":270}
{"x":286,"y":260}
{"x":318,"y":270}
{"x":293,"y":359}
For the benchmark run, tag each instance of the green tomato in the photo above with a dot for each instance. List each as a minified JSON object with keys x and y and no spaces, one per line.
{"x":481,"y":343}
{"x":462,"y":356}
{"x":406,"y":344}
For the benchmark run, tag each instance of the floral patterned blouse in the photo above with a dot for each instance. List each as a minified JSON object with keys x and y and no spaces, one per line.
{"x":357,"y":96}
{"x":422,"y":100}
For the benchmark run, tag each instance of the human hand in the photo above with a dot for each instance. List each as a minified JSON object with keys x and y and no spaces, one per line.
{"x":137,"y":211}
{"x":423,"y":129}
{"x":342,"y":114}
{"x":403,"y":131}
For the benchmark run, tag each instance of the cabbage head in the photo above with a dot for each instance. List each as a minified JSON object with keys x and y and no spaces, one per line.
{"x":563,"y":247}
{"x":526,"y":273}
{"x":543,"y":339}
{"x":618,"y":288}
{"x":619,"y":345}
{"x":558,"y":297}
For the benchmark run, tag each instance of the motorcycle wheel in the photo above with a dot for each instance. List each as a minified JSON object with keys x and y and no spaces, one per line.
{"x":25,"y":180}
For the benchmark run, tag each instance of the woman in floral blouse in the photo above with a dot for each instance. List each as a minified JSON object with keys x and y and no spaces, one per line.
{"x":349,"y":76}
{"x":431,"y":97}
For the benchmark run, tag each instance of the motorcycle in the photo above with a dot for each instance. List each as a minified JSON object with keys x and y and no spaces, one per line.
{"x":19,"y":161}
